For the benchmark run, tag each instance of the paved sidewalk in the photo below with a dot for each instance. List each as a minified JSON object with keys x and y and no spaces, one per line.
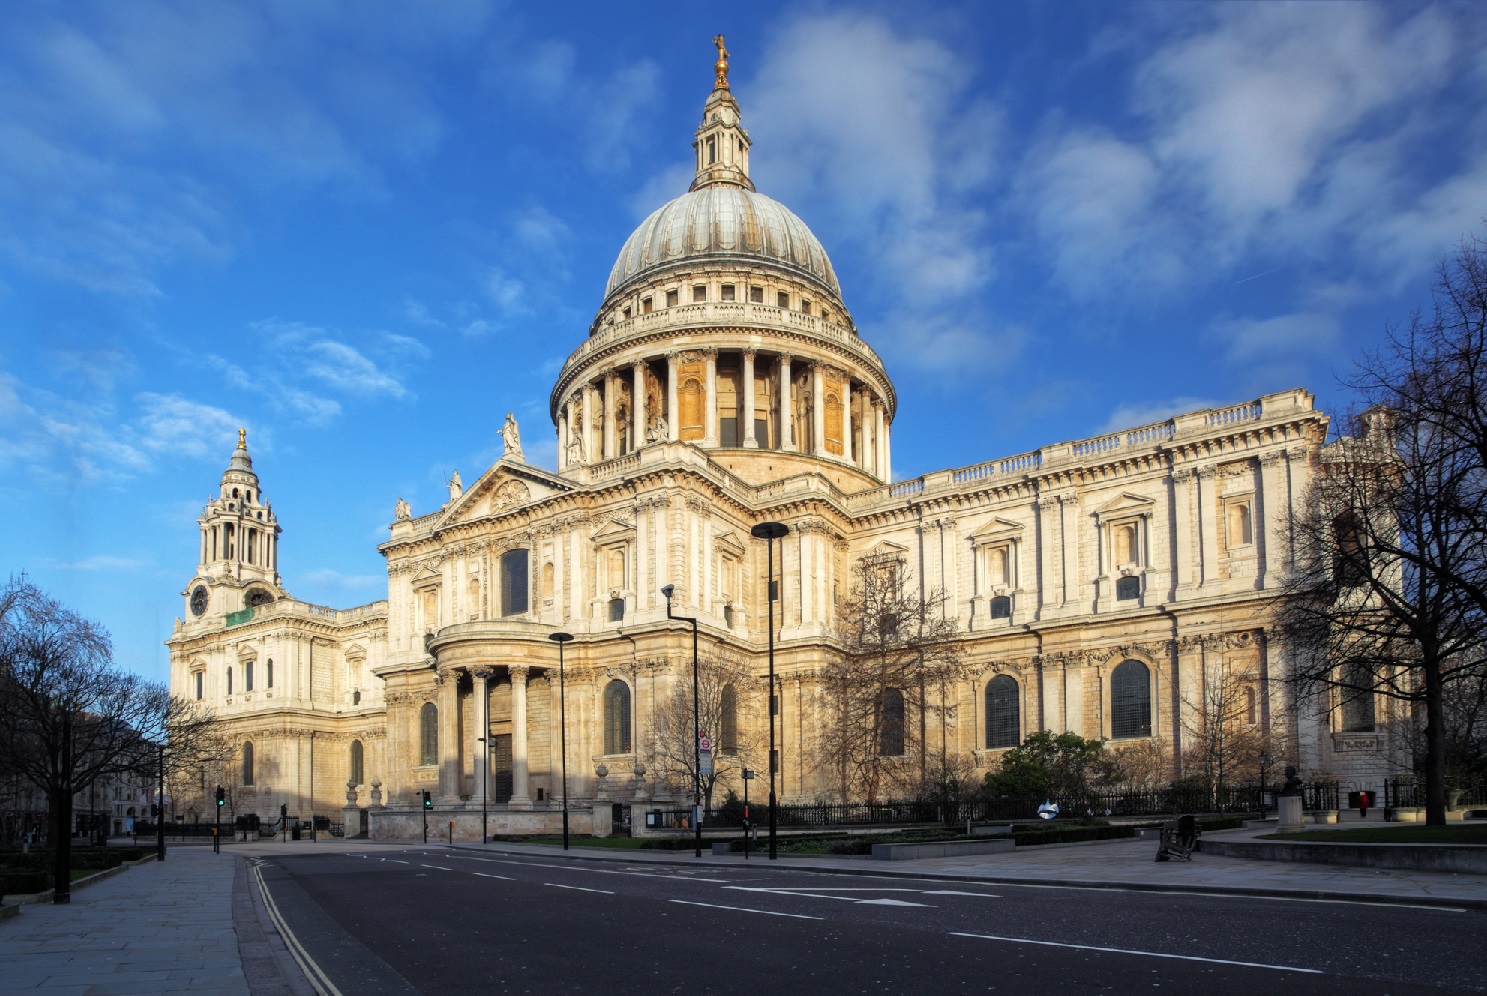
{"x":1116,"y":864}
{"x":161,"y":927}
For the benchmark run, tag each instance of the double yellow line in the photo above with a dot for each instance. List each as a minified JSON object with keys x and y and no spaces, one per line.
{"x":317,"y":978}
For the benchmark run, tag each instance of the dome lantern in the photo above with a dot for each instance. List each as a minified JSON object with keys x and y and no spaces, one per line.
{"x":721,"y":143}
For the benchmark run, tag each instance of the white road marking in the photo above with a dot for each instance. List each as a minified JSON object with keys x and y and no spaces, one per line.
{"x":316,"y":976}
{"x":1231,"y":895}
{"x":954,"y":892}
{"x":610,"y":871}
{"x":397,"y":861}
{"x":745,"y":909}
{"x":888,"y":902}
{"x":845,"y":899}
{"x":577,"y":888}
{"x":1147,"y":954}
{"x":488,"y":875}
{"x":440,"y":867}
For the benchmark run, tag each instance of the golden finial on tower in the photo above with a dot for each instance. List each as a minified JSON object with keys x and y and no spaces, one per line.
{"x":242,"y":439}
{"x":721,"y":66}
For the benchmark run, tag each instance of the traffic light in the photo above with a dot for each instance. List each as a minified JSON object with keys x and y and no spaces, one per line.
{"x":221,"y":797}
{"x":154,"y":809}
{"x":428,"y":803}
{"x":283,"y":810}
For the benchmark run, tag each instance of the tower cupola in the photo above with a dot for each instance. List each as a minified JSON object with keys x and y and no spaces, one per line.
{"x":721,"y":144}
{"x":239,"y":533}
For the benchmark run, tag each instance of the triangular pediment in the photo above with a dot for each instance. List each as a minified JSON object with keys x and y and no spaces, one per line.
{"x":612,"y":529}
{"x":1123,"y":506}
{"x":730,"y":543}
{"x":995,"y":530}
{"x":507,"y":485}
{"x":886,"y":550}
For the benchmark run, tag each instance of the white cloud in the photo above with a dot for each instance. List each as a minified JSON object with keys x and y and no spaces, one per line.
{"x":107,"y":562}
{"x":876,"y":132}
{"x":1266,"y":134}
{"x":169,"y":423}
{"x":1139,"y":413}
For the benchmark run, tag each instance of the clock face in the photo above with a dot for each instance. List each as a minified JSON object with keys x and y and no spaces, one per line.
{"x":199,"y":600}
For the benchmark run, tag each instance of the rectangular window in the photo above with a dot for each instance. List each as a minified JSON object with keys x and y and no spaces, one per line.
{"x":248,"y":677}
{"x":627,"y":314}
{"x":761,"y":431}
{"x":645,"y":306}
{"x":198,"y":686}
{"x":727,"y":292}
{"x":671,"y":298}
{"x":728,"y":432}
{"x":805,"y":306}
{"x":514,"y":583}
{"x":756,"y":295}
{"x":699,"y":293}
{"x":1127,"y":588}
{"x":270,"y":675}
{"x":782,"y":299}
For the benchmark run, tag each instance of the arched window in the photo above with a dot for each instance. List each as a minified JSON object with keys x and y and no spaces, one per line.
{"x":1356,"y":694}
{"x":248,"y":763}
{"x":428,"y":734}
{"x":1130,"y":700}
{"x":728,"y":721}
{"x":1003,"y":726}
{"x":1350,"y":552}
{"x":617,"y":717}
{"x":891,"y":732}
{"x":356,"y":762}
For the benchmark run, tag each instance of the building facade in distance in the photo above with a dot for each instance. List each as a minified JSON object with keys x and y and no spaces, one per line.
{"x":1095,"y":585}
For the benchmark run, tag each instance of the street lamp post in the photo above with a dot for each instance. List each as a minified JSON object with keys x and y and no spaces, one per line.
{"x":696,"y":726}
{"x":160,"y":804}
{"x":485,"y":836}
{"x":560,"y":639}
{"x":771,"y":531}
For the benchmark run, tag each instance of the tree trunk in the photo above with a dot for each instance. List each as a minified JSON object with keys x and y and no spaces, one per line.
{"x":1435,"y":746}
{"x":61,"y":841}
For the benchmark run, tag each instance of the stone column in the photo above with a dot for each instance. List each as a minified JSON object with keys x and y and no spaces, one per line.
{"x":1183,"y":502}
{"x":787,"y":433}
{"x":1207,"y":507}
{"x":450,"y":766}
{"x":846,"y":417}
{"x":818,"y":410}
{"x":644,"y":592}
{"x":481,"y":676}
{"x":611,"y":388}
{"x":520,"y":795}
{"x":637,"y":405}
{"x":887,"y":451}
{"x":673,"y":427}
{"x":879,"y":449}
{"x":593,"y":448}
{"x":710,"y":401}
{"x":1267,"y":519}
{"x":745,"y":417}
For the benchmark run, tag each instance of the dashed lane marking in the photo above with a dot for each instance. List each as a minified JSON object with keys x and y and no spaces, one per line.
{"x":577,"y":888}
{"x":745,"y":909}
{"x":488,"y":875}
{"x":439,"y":867}
{"x":1146,"y":954}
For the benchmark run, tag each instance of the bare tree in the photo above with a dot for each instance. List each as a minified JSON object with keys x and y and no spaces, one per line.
{"x":67,"y":717}
{"x":1389,"y":595}
{"x":1222,"y":732}
{"x":728,"y":693}
{"x":899,"y":654}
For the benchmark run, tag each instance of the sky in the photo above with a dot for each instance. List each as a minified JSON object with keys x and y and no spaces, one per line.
{"x":366,"y":230}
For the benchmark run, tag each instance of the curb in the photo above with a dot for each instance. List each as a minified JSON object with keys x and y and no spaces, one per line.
{"x":1372,"y":898}
{"x":31,"y":899}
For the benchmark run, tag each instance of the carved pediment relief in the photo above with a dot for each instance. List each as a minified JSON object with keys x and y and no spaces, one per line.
{"x":247,"y":652}
{"x":885,"y":551}
{"x":728,"y":542}
{"x":501,"y":488}
{"x":1125,"y":506}
{"x":355,"y":654}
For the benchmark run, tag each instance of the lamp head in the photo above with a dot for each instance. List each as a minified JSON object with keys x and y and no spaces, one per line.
{"x":668,"y":590}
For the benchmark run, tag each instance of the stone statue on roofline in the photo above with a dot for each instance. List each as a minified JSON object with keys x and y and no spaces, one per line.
{"x":511,"y":437}
{"x":402,"y":511}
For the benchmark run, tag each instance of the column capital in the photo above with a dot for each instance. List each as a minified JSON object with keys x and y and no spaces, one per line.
{"x":749,"y":351}
{"x":481,"y":671}
{"x":517,"y":671}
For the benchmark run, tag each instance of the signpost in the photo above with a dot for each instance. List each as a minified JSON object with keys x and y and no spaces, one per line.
{"x":748,"y":776}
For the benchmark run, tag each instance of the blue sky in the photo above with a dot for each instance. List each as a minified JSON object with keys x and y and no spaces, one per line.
{"x":367,"y":230}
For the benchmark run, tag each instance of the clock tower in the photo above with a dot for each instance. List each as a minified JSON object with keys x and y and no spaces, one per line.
{"x":238,"y":567}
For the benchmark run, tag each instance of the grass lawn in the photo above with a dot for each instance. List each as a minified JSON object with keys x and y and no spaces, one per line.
{"x":1403,"y":833}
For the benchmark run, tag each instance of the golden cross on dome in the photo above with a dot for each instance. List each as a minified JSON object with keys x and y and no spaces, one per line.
{"x":721,"y":66}
{"x":242,"y":439}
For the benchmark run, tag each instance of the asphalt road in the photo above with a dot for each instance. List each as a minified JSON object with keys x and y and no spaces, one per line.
{"x":434,"y":920}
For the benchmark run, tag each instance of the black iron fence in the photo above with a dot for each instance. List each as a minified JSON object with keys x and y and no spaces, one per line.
{"x":1409,"y":793}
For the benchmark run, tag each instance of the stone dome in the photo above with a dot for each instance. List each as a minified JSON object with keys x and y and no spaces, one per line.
{"x":727,"y":223}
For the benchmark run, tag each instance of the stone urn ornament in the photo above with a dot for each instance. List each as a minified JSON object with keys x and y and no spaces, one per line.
{"x":377,"y":793}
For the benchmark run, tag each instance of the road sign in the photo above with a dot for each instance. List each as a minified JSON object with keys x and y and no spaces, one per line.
{"x":704,"y":744}
{"x":705,"y":759}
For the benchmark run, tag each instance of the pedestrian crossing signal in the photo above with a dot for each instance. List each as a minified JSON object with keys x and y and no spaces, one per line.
{"x":221,"y":796}
{"x":428,"y":803}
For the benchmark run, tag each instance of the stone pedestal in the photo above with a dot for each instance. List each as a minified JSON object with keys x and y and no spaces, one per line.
{"x":1292,"y":816}
{"x":351,"y":821}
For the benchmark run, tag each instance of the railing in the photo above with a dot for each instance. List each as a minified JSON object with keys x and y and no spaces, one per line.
{"x":1100,"y":444}
{"x":1408,"y":793}
{"x":1228,"y":416}
{"x":716,"y":313}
